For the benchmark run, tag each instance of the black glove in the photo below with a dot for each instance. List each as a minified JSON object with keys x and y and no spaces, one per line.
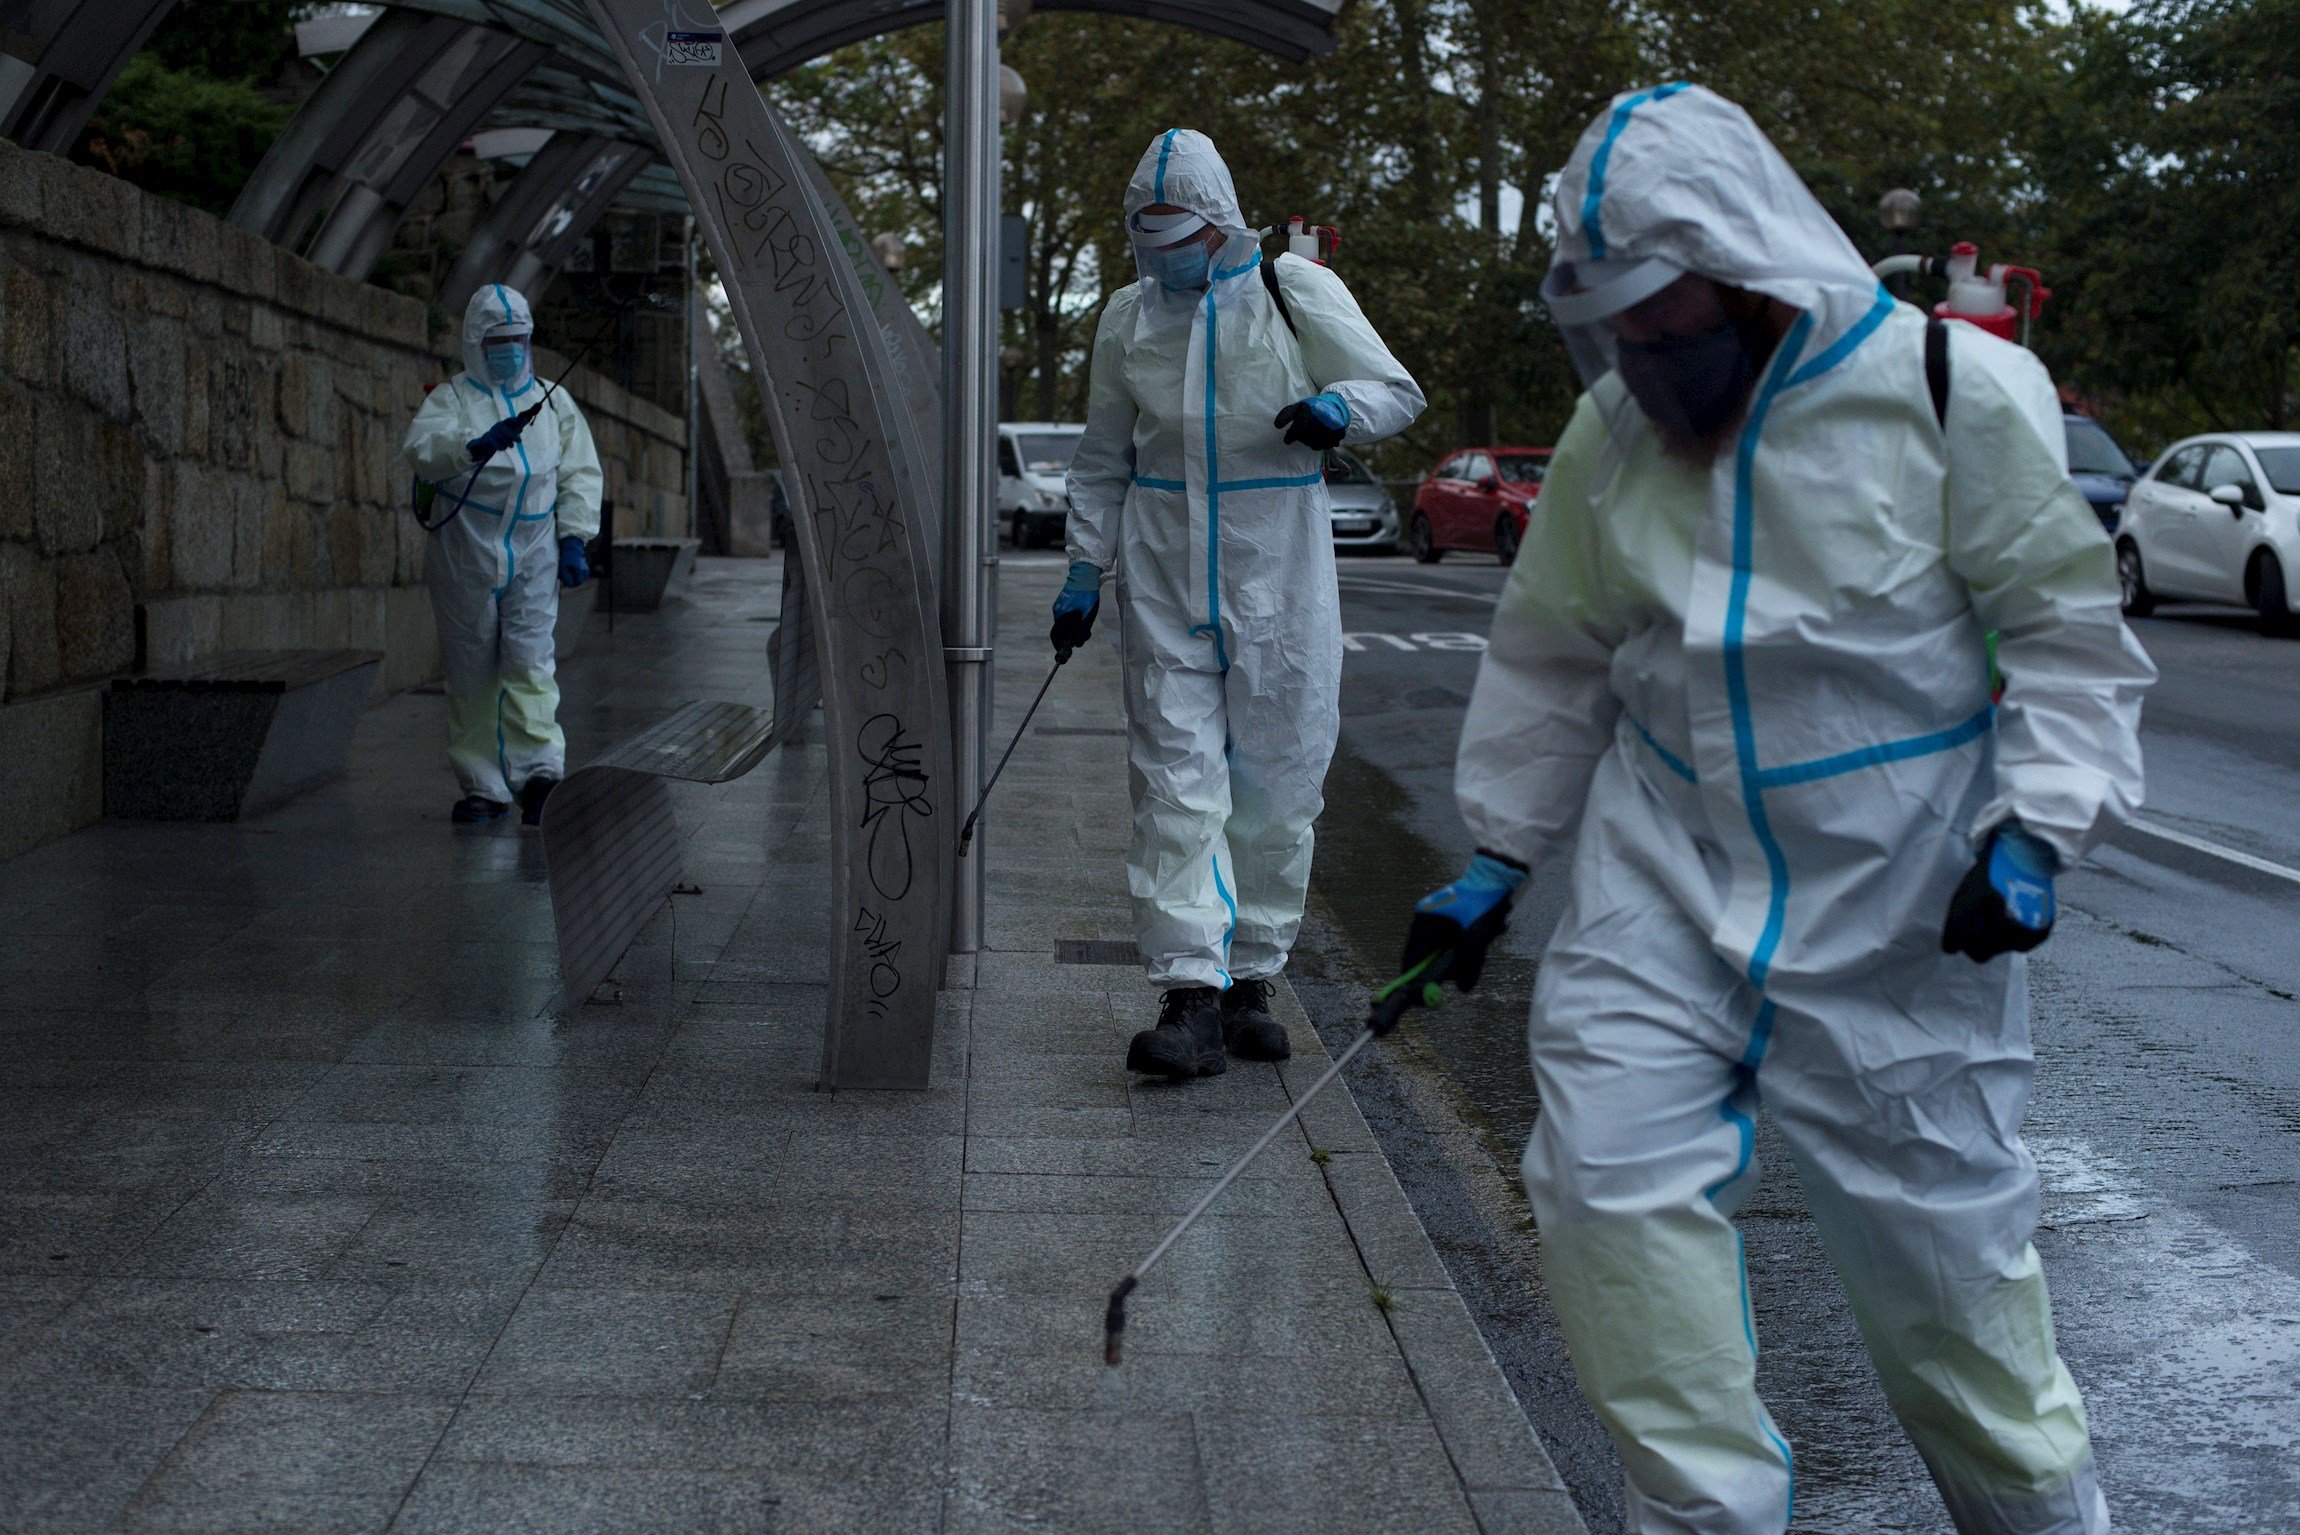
{"x":1317,"y":422}
{"x":1075,"y":606}
{"x":2004,"y":904}
{"x":497,"y":437}
{"x":1465,"y":916}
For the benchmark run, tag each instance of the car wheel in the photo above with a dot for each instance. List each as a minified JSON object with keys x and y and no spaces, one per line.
{"x":1422,"y":540}
{"x":1021,"y":528}
{"x":2269,"y":597}
{"x":1505,"y":539}
{"x":2132,"y":582}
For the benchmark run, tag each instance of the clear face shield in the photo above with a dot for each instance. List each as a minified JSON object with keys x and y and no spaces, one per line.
{"x":1171,"y":247}
{"x":1682,"y":349}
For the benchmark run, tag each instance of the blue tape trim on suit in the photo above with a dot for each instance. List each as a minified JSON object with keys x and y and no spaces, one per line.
{"x":1158,"y":183}
{"x":1745,"y":1074}
{"x":1229,"y":934}
{"x":1289,"y":482}
{"x":1240,"y":270}
{"x":1669,"y":759}
{"x":1213,"y":624}
{"x":1876,"y":756}
{"x":1844,"y":346}
{"x":1595,"y":193}
{"x":1736,"y":669}
{"x":518,"y":502}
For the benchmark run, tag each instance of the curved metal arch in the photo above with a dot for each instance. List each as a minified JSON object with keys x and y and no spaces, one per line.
{"x":60,"y":58}
{"x":776,"y":36}
{"x":535,"y":225}
{"x":338,"y":182}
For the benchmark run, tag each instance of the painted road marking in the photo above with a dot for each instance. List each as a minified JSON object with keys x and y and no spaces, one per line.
{"x":1434,"y":640}
{"x":2198,"y":844}
{"x":1402,"y":589}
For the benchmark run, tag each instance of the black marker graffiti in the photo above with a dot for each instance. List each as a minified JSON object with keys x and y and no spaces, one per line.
{"x":885,"y":979}
{"x":894,"y":792}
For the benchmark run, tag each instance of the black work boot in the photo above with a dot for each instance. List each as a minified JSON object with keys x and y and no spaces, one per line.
{"x":531,"y":798}
{"x":1248,"y":1029}
{"x":475,"y":808}
{"x":1187,"y":1041}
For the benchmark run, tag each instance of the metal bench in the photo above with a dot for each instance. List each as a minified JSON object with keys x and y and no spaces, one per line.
{"x":610,"y":838}
{"x":232,"y":734}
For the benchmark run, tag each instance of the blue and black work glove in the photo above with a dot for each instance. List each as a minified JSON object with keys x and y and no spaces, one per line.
{"x":2004,"y":903}
{"x":574,"y":563}
{"x":497,"y":437}
{"x":1464,"y":918}
{"x":1075,"y":607}
{"x":1317,"y":422}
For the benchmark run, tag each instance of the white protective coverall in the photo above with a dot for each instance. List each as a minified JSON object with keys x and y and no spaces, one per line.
{"x":494,"y":570}
{"x":1759,"y":691}
{"x":1220,"y":539}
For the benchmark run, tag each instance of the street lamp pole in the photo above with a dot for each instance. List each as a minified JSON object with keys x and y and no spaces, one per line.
{"x":970,"y":383}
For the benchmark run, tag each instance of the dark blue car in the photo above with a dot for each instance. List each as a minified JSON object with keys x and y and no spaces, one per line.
{"x":2099,"y":468}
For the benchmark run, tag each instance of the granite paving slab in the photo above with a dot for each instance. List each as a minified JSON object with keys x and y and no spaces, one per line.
{"x":322,"y":1213}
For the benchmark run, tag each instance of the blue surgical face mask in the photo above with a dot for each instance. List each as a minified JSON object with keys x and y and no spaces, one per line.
{"x":1189,"y":265}
{"x":506,"y":360}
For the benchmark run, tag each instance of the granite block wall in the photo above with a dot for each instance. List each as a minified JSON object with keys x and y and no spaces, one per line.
{"x":199,"y":437}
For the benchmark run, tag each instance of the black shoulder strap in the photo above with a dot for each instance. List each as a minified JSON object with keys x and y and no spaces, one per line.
{"x":1277,"y":294}
{"x":1937,"y":367}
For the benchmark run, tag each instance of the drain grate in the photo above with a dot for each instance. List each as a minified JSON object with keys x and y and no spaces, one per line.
{"x":1096,"y":951}
{"x":1081,"y":730}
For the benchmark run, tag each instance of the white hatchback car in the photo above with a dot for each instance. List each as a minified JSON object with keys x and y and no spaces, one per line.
{"x":2217,"y":519}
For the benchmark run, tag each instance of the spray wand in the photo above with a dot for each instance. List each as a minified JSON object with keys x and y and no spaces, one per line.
{"x":1418,"y":987}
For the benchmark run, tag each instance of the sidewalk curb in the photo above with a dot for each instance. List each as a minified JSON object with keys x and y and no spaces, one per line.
{"x":1513,"y":1487}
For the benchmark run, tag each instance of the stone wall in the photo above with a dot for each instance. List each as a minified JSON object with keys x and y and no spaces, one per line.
{"x":199,"y":437}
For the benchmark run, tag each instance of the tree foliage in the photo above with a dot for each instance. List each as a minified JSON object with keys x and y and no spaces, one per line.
{"x":191,"y":116}
{"x":2148,"y":162}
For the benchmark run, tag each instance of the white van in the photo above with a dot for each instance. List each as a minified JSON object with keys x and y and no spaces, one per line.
{"x":1033,"y":458}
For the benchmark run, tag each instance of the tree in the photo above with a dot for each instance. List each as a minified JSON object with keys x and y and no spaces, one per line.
{"x":191,"y":116}
{"x":2169,"y":169}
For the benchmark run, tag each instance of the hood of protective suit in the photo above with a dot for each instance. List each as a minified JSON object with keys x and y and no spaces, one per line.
{"x":1681,"y":174}
{"x":1183,"y":169}
{"x":496,"y":310}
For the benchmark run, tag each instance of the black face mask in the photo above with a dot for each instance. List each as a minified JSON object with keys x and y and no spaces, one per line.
{"x":1690,"y":387}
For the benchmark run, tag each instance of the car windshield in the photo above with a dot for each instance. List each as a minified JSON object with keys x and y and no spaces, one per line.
{"x":1342,"y":469}
{"x":2092,"y":451}
{"x":1046,"y":452}
{"x":1522,"y":468}
{"x":2282,"y":466}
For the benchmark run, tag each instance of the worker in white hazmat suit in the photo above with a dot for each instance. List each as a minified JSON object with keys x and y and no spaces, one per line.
{"x":496,"y":567}
{"x":1198,"y":491}
{"x":1742,"y":657}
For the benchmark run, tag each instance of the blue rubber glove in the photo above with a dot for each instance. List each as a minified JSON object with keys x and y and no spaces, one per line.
{"x":2005,"y":902}
{"x":574,"y":564}
{"x":1317,"y":422}
{"x":1075,"y":607}
{"x":496,"y":438}
{"x":1464,"y":917}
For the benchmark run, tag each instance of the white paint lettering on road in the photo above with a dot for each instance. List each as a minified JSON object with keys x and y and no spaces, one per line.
{"x":1451,"y":641}
{"x":2198,"y":844}
{"x":1357,"y":641}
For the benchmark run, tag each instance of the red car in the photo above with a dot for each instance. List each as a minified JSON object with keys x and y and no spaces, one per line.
{"x":1476,"y":500}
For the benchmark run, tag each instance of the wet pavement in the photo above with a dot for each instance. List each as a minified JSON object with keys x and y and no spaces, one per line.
{"x":2166,"y":1118}
{"x":319,"y":1213}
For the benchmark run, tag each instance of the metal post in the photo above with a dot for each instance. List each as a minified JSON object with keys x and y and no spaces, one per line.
{"x":970,"y":382}
{"x":695,"y":333}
